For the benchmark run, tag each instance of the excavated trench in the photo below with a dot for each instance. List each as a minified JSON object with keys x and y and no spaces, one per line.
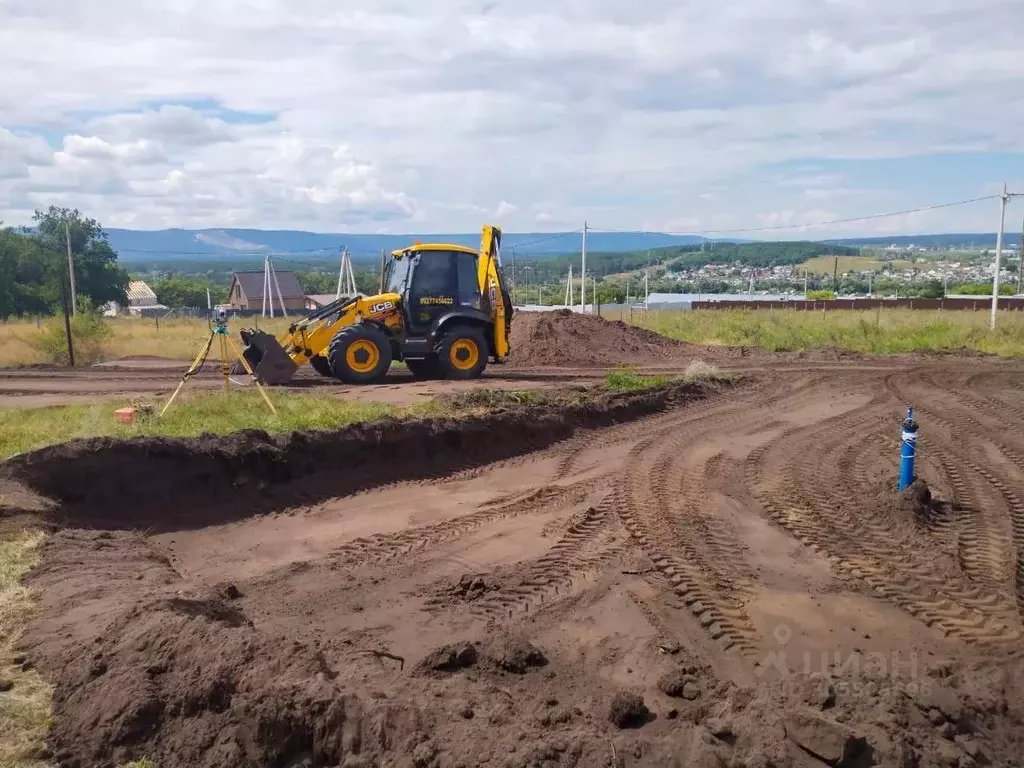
{"x":164,"y":484}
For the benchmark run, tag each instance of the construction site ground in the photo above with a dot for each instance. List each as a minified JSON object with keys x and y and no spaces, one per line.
{"x":702,"y":575}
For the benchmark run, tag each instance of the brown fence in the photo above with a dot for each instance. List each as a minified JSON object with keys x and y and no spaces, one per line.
{"x":981,"y":303}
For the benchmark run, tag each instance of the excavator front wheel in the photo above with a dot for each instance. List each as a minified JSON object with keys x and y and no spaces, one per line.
{"x":462,"y":353}
{"x":359,"y":354}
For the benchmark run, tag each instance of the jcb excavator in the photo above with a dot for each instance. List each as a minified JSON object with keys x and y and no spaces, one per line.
{"x":442,"y":309}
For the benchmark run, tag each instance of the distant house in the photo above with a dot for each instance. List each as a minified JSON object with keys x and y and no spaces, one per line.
{"x":318,"y":300}
{"x":140,"y":298}
{"x":246,"y":292}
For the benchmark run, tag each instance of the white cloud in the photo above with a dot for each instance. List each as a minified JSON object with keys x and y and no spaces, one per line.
{"x":402,"y":115}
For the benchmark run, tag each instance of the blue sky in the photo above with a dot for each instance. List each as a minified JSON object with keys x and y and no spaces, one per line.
{"x":396,"y":115}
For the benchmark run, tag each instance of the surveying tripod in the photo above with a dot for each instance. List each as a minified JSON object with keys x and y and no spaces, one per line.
{"x":227,"y":346}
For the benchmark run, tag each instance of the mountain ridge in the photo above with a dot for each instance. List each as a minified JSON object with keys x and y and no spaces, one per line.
{"x":226,"y":243}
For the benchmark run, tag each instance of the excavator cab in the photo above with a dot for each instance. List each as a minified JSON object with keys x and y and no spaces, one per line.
{"x":442,"y":309}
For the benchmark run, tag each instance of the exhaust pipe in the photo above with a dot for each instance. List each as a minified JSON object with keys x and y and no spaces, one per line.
{"x":267,"y":358}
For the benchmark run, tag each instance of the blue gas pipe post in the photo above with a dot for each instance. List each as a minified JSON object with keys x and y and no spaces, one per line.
{"x":908,"y":450}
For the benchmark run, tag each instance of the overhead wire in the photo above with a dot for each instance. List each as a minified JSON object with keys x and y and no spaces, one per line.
{"x":774,"y":227}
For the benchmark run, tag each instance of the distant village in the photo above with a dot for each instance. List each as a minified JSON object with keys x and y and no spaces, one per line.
{"x":890,"y":266}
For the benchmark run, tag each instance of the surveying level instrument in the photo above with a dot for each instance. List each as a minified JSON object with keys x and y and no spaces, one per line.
{"x":228,"y":353}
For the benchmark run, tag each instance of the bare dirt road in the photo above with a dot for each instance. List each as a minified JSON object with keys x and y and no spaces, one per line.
{"x":738,"y":560}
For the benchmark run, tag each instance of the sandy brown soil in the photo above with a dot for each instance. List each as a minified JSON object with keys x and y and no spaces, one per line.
{"x":728,"y":581}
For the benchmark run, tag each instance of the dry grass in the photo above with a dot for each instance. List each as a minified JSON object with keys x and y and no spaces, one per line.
{"x":177,"y":338}
{"x":699,"y":370}
{"x":25,"y":709}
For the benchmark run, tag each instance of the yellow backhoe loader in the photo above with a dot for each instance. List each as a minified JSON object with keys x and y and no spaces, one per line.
{"x":442,"y":309}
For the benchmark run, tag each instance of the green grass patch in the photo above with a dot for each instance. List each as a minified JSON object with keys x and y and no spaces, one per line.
{"x":628,"y":380}
{"x":25,"y":709}
{"x":22,"y":429}
{"x":875,"y":332}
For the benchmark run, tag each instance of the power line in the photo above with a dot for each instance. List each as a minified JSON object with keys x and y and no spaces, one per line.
{"x":555,"y":236}
{"x":801,"y":226}
{"x":224,"y":253}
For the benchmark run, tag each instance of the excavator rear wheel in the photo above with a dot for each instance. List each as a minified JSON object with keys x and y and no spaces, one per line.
{"x":359,"y":354}
{"x":462,"y":353}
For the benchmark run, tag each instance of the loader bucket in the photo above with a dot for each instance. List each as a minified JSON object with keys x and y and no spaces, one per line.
{"x":267,"y":357}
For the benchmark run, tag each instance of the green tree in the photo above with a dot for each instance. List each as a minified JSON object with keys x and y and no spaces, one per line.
{"x":177,"y":291}
{"x":981,"y":289}
{"x":29,"y":274}
{"x":97,"y":272}
{"x":313,"y":282}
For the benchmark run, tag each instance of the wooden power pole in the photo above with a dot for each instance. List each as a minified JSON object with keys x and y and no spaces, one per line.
{"x":71,"y":272}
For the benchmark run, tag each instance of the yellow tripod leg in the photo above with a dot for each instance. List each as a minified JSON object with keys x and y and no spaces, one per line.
{"x":245,"y":364}
{"x":191,"y":369}
{"x":225,"y":368}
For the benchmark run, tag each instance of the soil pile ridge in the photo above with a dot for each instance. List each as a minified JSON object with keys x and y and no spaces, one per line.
{"x":570,"y":339}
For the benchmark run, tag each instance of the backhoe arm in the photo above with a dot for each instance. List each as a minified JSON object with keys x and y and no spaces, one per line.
{"x":493,"y":287}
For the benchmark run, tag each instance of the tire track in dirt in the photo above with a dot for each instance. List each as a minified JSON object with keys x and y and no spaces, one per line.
{"x":764,"y":393}
{"x":383,"y":547}
{"x":983,"y":534}
{"x":823,"y":522}
{"x":659,"y":501}
{"x":580,"y":552}
{"x":642,"y":503}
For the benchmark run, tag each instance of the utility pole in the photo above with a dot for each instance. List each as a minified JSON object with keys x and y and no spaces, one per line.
{"x":999,"y":256}
{"x":67,"y":319}
{"x":71,"y":272}
{"x":273,"y":273}
{"x":1020,"y":261}
{"x":835,"y":278}
{"x":583,"y":271}
{"x":647,"y":293}
{"x":513,"y":275}
{"x":341,"y":273}
{"x":266,"y":285}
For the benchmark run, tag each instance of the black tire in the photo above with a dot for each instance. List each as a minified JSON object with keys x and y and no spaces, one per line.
{"x":426,"y":368}
{"x":321,"y":365}
{"x":462,"y":353}
{"x":359,"y":354}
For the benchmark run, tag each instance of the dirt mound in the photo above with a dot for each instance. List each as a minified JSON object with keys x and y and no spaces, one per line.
{"x":514,"y":654}
{"x":165,"y":484}
{"x":628,"y":710}
{"x":449,"y":658}
{"x":182,"y":677}
{"x":569,"y":339}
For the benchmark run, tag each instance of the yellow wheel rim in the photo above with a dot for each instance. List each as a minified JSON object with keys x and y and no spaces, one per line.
{"x":464,"y":354}
{"x":362,"y":356}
